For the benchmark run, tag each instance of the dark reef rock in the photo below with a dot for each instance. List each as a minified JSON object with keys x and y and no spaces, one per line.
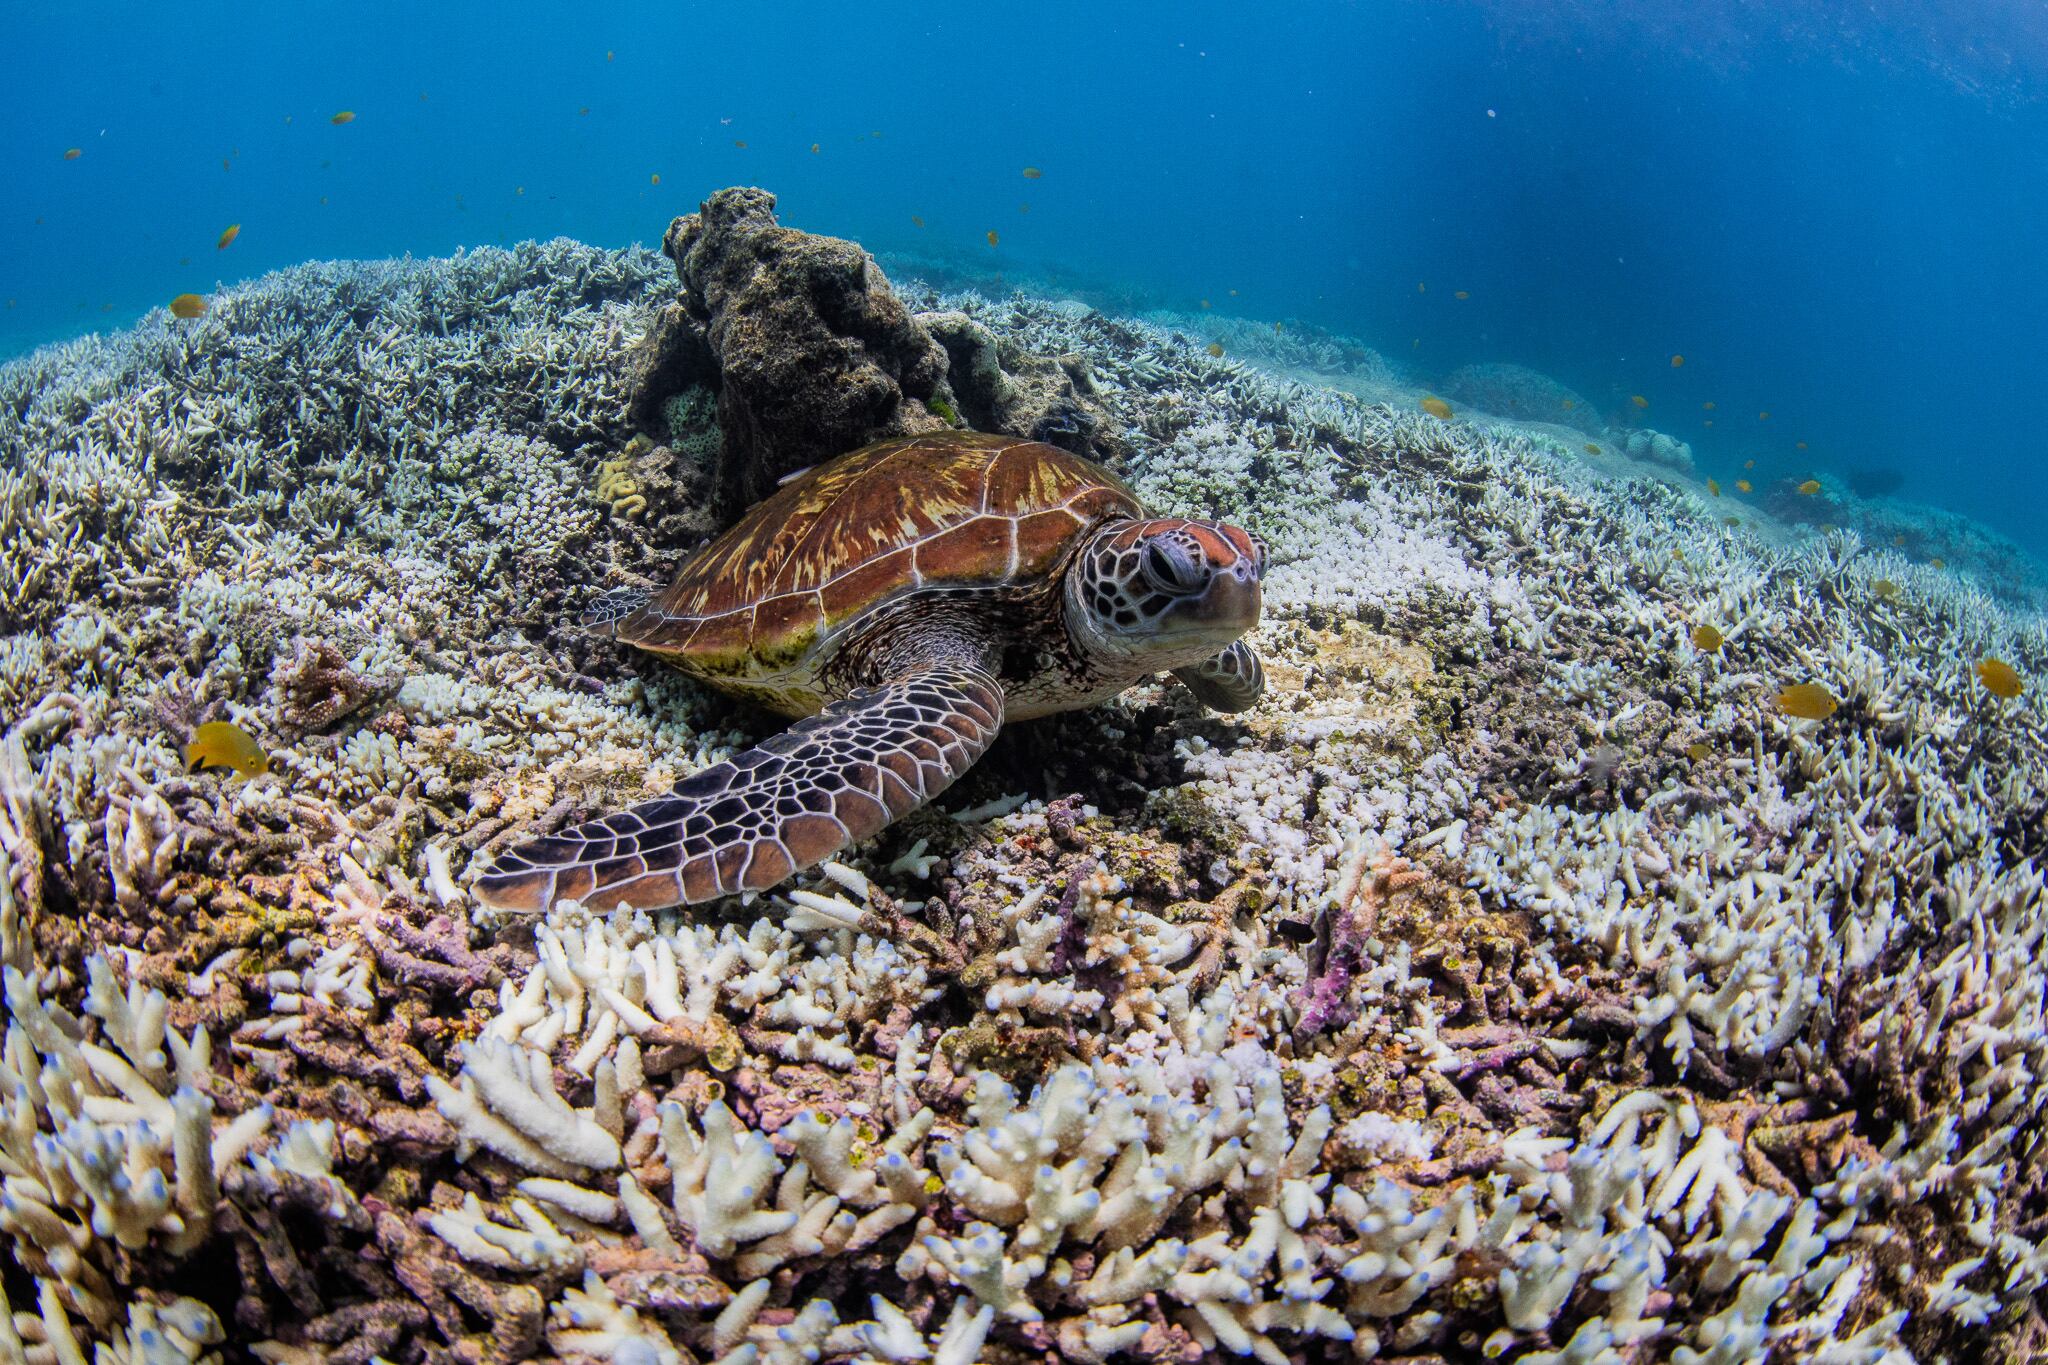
{"x":997,"y":387}
{"x":812,"y":354}
{"x":809,"y":349}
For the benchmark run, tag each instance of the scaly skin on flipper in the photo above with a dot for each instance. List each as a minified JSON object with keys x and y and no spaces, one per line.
{"x":1233,"y":681}
{"x":749,"y":823}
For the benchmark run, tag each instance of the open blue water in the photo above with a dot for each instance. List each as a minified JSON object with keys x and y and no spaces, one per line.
{"x":1834,"y":212}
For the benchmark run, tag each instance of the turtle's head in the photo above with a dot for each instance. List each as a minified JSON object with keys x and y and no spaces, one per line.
{"x":1164,"y":592}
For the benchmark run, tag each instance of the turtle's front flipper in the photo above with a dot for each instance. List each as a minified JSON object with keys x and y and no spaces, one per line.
{"x":749,"y":823}
{"x":1232,"y":681}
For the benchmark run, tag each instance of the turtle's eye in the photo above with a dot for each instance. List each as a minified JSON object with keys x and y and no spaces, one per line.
{"x":1169,"y":569}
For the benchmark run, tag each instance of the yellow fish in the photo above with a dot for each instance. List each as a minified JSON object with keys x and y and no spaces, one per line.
{"x":1677,"y":361}
{"x":814,"y":149}
{"x":1032,"y":173}
{"x":916,"y":221}
{"x":1885,"y":588}
{"x":1436,"y":407}
{"x":1743,"y":486}
{"x":1713,"y":488}
{"x":740,"y":143}
{"x":2000,"y":679}
{"x":1697,"y":750}
{"x":73,"y":153}
{"x":1763,"y":417}
{"x":1938,"y":562}
{"x":1706,"y":638}
{"x":223,"y":744}
{"x":654,"y":179}
{"x":1279,"y":326}
{"x":1810,"y":487}
{"x":607,"y":54}
{"x":519,"y":189}
{"x":1205,"y":303}
{"x":1639,"y":400}
{"x":187,"y":306}
{"x":993,"y":237}
{"x":1707,"y":406}
{"x":1461,"y":294}
{"x":1807,"y":701}
{"x":234,"y":231}
{"x":1569,"y":405}
{"x":1216,"y":348}
{"x":1592,"y":449}
{"x":1749,"y":464}
{"x":1733,"y":521}
{"x":345,"y":116}
{"x":1800,"y":444}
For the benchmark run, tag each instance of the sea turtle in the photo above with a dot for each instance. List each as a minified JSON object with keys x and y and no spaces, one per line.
{"x":906,"y":599}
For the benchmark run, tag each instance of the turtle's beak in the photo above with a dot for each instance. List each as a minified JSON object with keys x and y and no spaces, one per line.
{"x":1238,"y":563}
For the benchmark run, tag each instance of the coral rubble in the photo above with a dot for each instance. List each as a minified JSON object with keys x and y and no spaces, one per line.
{"x":1517,"y":982}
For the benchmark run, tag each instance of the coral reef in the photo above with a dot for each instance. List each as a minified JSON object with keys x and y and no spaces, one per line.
{"x":1001,"y":388}
{"x":1517,"y":982}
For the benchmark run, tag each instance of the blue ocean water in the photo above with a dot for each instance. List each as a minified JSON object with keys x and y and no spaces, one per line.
{"x":1833,"y":212}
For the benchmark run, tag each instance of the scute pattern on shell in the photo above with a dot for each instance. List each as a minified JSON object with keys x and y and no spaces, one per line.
{"x":951,"y":509}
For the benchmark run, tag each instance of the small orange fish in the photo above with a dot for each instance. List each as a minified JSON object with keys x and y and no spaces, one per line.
{"x":1807,"y":701}
{"x":73,"y":153}
{"x":1810,"y":487}
{"x":1677,"y":361}
{"x":1436,"y":407}
{"x":1205,"y":303}
{"x":1743,"y":486}
{"x":228,"y":237}
{"x":345,"y":116}
{"x":223,"y":744}
{"x":1032,"y":173}
{"x":1713,"y":488}
{"x":1885,"y":588}
{"x":916,"y":221}
{"x":1938,"y":562}
{"x":1639,"y":400}
{"x":1697,"y":750}
{"x":1216,"y":348}
{"x":994,"y":237}
{"x":2000,"y":679}
{"x":187,"y":306}
{"x":1461,"y":294}
{"x":1592,"y":449}
{"x":1707,"y":638}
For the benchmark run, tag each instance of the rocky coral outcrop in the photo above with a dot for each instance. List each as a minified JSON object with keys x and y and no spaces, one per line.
{"x":811,"y":354}
{"x":810,"y":350}
{"x":997,"y":386}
